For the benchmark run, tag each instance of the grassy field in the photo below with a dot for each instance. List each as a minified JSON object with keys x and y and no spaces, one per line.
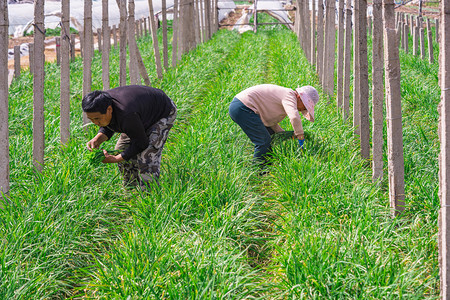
{"x":315,"y":227}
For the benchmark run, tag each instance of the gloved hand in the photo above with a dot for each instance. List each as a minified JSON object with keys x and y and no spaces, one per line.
{"x":300,"y":143}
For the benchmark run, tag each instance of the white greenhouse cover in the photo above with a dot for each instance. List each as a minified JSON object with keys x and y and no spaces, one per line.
{"x":22,"y":15}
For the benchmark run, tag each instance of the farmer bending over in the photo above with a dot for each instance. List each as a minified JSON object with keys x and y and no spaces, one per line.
{"x":259,"y":109}
{"x":144,"y":116}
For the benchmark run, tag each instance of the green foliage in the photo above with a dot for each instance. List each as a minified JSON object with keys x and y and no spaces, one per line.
{"x":96,"y":156}
{"x":314,"y":227}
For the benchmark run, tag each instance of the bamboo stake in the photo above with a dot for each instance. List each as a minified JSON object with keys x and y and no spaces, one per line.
{"x":444,"y":157}
{"x":106,"y":45}
{"x":65,"y":73}
{"x":155,"y":40}
{"x":393,"y":111}
{"x":377,"y":92}
{"x":38,"y":86}
{"x":4,"y":124}
{"x":347,"y":59}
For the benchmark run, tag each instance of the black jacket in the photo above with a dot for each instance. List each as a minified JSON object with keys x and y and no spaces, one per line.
{"x":136,"y":109}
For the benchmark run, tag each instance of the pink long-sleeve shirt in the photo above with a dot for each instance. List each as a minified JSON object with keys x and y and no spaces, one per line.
{"x":273,"y":103}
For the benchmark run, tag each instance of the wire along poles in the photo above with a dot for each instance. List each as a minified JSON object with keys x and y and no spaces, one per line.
{"x":396,"y":167}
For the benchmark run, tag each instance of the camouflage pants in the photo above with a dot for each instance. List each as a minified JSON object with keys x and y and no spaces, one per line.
{"x":144,"y":167}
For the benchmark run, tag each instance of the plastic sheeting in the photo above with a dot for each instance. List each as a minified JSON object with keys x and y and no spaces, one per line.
{"x":273,"y":8}
{"x":21,"y":15}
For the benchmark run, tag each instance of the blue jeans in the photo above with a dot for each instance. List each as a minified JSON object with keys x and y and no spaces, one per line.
{"x":253,"y":127}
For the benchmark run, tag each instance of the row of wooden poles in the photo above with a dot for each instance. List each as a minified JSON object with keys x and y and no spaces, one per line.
{"x":318,"y":39}
{"x":194,"y":21}
{"x":390,"y":33}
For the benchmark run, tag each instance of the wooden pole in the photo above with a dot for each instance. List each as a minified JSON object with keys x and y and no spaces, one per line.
{"x":175,"y":34}
{"x":313,"y":34}
{"x":16,"y":61}
{"x":329,"y":50}
{"x":364,"y":82}
{"x":114,"y":34}
{"x":416,"y":41}
{"x":132,"y":67}
{"x":208,"y":19}
{"x":437,"y":31}
{"x":198,"y":19}
{"x":255,"y":15}
{"x":106,"y":45}
{"x":87,"y":52}
{"x":65,"y":73}
{"x":4,"y":94}
{"x":202,"y":21}
{"x":444,"y":157}
{"x":58,"y":50}
{"x":165,"y":41}
{"x":347,"y":59}
{"x":307,"y":31}
{"x":422,"y":43}
{"x":155,"y":40}
{"x":99,"y":40}
{"x":122,"y":42}
{"x":406,"y":35}
{"x":135,"y":55}
{"x":430,"y":42}
{"x":144,"y":20}
{"x":356,"y":70}
{"x":72,"y":46}
{"x":320,"y":37}
{"x":31,"y":57}
{"x":396,"y":170}
{"x":137,"y":30}
{"x":340,"y":66}
{"x":377,"y":92}
{"x":38,"y":86}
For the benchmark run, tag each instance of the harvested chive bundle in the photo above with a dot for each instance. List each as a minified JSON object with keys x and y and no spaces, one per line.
{"x":96,"y":156}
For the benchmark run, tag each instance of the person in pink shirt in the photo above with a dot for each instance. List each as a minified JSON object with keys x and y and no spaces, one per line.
{"x":258,"y":110}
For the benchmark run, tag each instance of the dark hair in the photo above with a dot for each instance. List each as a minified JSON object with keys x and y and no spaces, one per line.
{"x":96,"y":101}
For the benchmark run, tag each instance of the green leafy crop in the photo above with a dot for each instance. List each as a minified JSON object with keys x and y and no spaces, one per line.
{"x":96,"y":156}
